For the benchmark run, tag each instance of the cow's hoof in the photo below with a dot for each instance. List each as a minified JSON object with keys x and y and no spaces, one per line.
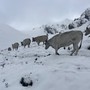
{"x":57,"y":54}
{"x":70,"y":54}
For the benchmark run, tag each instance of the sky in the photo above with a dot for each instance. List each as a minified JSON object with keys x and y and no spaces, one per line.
{"x":27,"y":14}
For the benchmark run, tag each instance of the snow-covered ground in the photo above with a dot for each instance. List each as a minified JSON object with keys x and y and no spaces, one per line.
{"x":47,"y":70}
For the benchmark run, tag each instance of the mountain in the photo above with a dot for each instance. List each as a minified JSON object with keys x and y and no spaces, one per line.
{"x":84,"y":18}
{"x":9,"y":35}
{"x":46,"y":70}
{"x":78,"y":23}
{"x":50,"y":28}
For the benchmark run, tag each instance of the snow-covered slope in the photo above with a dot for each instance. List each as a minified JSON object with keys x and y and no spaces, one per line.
{"x":9,"y":35}
{"x":47,"y":71}
{"x":52,"y":28}
{"x":84,"y":18}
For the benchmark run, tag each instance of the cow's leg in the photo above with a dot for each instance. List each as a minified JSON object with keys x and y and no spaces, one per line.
{"x":24,"y":46}
{"x":28,"y":46}
{"x":64,"y":47}
{"x":43,"y":43}
{"x":76,"y":49}
{"x":17,"y":48}
{"x":56,"y":52}
{"x":38,"y":43}
{"x":73,"y":50}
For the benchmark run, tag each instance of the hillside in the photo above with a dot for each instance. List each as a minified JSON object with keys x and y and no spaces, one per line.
{"x":9,"y":35}
{"x":36,"y":68}
{"x":80,"y":21}
{"x":50,"y":28}
{"x":47,"y":70}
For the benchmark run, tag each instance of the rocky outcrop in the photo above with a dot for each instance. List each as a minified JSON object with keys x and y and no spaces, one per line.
{"x":85,"y":17}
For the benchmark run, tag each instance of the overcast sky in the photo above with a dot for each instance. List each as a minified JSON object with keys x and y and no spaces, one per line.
{"x":23,"y":14}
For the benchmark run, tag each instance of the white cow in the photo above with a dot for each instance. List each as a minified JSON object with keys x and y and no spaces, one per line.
{"x":66,"y":39}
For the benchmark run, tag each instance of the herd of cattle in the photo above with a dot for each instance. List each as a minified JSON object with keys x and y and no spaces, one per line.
{"x":27,"y":42}
{"x":60,"y":40}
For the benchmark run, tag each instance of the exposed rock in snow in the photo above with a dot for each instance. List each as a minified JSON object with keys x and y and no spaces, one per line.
{"x":26,"y":81}
{"x":85,"y":17}
{"x":51,"y":28}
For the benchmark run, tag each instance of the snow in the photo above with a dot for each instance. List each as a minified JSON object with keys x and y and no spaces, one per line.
{"x":9,"y":35}
{"x":86,"y":13}
{"x":47,"y":70}
{"x":83,"y":19}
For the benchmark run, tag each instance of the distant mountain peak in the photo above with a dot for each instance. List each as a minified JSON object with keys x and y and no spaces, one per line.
{"x":86,"y":14}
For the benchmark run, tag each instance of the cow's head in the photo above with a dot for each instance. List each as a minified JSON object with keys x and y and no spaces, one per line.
{"x":33,"y":39}
{"x":21,"y":43}
{"x":47,"y":45}
{"x":87,"y":31}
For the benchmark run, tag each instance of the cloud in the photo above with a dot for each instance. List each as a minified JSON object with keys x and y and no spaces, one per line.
{"x":30,"y":13}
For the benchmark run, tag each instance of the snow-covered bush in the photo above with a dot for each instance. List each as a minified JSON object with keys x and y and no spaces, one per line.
{"x":63,"y":26}
{"x":50,"y":30}
{"x":71,"y":26}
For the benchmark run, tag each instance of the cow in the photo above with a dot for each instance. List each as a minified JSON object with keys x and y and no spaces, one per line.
{"x":15,"y":46}
{"x":65,"y":39}
{"x":26,"y":42}
{"x":39,"y":39}
{"x":87,"y":31}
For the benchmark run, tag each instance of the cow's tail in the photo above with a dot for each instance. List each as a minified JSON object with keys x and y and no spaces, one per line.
{"x":81,"y":41}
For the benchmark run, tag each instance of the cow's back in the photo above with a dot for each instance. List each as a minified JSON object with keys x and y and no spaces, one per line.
{"x":15,"y":45}
{"x":42,"y":38}
{"x":65,"y":39}
{"x":70,"y":37}
{"x":26,"y":41}
{"x":39,"y":39}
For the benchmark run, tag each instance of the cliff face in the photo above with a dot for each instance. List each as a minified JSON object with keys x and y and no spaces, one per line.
{"x":84,"y":17}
